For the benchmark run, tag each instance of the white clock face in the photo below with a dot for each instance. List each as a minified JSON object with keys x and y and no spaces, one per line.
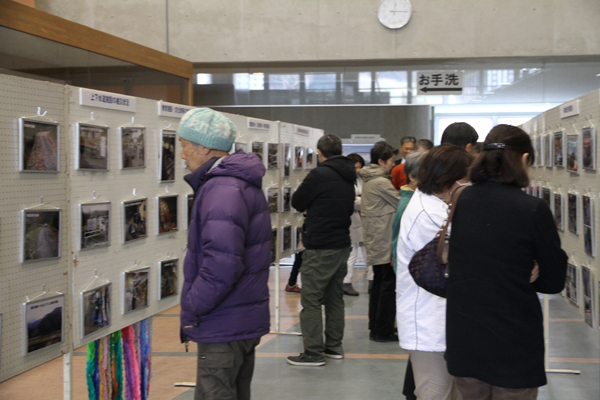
{"x":394,"y":14}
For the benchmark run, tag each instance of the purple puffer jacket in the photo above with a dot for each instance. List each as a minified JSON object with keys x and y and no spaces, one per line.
{"x":225,"y":296}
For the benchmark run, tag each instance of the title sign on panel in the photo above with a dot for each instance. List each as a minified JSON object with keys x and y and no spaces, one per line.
{"x":439,"y":83}
{"x":100,"y":99}
{"x":301,"y":130}
{"x":569,"y":109}
{"x":172,"y":109}
{"x":254,"y":123}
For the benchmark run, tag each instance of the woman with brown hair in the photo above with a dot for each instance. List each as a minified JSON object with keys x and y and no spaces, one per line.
{"x":504,"y":248}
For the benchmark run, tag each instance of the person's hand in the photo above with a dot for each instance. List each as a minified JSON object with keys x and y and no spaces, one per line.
{"x":535,"y":273}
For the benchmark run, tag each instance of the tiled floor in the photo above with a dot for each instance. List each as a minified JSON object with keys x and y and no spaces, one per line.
{"x":370,"y":371}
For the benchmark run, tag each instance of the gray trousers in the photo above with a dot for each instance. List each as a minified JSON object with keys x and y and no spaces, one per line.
{"x":323,"y":272}
{"x":225,"y":370}
{"x":474,"y":389}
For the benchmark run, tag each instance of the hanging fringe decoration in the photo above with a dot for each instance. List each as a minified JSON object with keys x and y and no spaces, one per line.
{"x":127,"y":350}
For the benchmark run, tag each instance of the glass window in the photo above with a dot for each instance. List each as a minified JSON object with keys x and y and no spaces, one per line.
{"x":481,"y":125}
{"x":320,"y":81}
{"x":203,"y":79}
{"x":364,"y":81}
{"x":516,"y":121}
{"x":394,"y":83}
{"x":284,"y":82}
{"x":241,"y":81}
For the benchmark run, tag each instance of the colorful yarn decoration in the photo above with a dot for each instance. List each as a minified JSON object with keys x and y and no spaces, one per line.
{"x":127,"y":341}
{"x":90,"y":367}
{"x":105,"y":373}
{"x":99,"y":368}
{"x":144,"y":359}
{"x":150,"y":333}
{"x":117,"y":355}
{"x":135,"y":364}
{"x":96,"y":371}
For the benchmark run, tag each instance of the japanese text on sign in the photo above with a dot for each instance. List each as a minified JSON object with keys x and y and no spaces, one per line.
{"x":172,"y":109}
{"x":97,"y":98}
{"x":439,"y":82}
{"x":259,"y":124}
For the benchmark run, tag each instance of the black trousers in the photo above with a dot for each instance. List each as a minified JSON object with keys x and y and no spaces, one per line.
{"x":382,"y":300}
{"x":295,"y":269}
{"x":225,"y":370}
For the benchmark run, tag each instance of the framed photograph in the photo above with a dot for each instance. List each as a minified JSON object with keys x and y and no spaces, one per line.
{"x":189,"y":200}
{"x":588,"y":298}
{"x":588,"y":136}
{"x":559,"y":208}
{"x":286,"y":234}
{"x":273,"y":245}
{"x":542,"y":151}
{"x":298,"y":245}
{"x":135,"y":223}
{"x":310,"y":158}
{"x":298,"y":157}
{"x":559,"y":149}
{"x":548,"y":150}
{"x":135,"y":289}
{"x":94,"y":223}
{"x":38,"y":146}
{"x":273,"y":156}
{"x":273,"y":199}
{"x":537,"y":148}
{"x":286,"y":198}
{"x":573,"y":153}
{"x":547,"y":196}
{"x":573,"y":211}
{"x":95,"y":309}
{"x":239,"y":146}
{"x":133,"y":147}
{"x":44,"y":321}
{"x":587,"y":204}
{"x":538,"y":190}
{"x":167,"y":282}
{"x":41,"y":234}
{"x":258,"y":148}
{"x":572,"y":285}
{"x":287,"y":160}
{"x":167,"y":208}
{"x":167,"y":156}
{"x":93,"y":145}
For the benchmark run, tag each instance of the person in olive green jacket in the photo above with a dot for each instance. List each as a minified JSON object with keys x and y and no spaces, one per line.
{"x":378,"y":205}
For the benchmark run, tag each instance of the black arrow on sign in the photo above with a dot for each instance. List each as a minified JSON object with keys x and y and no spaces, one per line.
{"x":426,"y":89}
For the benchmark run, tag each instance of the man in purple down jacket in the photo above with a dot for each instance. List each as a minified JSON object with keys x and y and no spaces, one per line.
{"x":225,"y":297}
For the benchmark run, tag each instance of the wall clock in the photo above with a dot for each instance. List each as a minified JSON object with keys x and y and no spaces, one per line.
{"x":394,"y":14}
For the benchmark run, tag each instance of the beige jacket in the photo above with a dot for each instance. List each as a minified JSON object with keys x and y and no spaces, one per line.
{"x":379,"y":201}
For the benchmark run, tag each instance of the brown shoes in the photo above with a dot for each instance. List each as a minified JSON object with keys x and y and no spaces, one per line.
{"x":292,"y":289}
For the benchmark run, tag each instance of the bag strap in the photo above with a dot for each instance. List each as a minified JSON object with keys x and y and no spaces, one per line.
{"x":443,"y":232}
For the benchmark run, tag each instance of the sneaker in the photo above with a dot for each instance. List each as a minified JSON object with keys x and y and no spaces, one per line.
{"x":333,"y":354}
{"x":303,"y":359}
{"x":292,"y":289}
{"x":349,"y":290}
{"x":386,"y":338}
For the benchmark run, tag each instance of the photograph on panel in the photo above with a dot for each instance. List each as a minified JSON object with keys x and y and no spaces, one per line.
{"x":572,"y":285}
{"x":537,"y":149}
{"x":167,"y":156}
{"x":167,"y":214}
{"x":286,"y":234}
{"x":44,"y":322}
{"x":273,"y":199}
{"x":542,"y":151}
{"x":273,"y":244}
{"x":559,"y":145}
{"x":286,"y":197}
{"x":558,"y":211}
{"x":588,"y":137}
{"x":95,"y":225}
{"x":135,"y":219}
{"x":41,"y":234}
{"x":572,"y":153}
{"x":547,"y":196}
{"x":258,"y":148}
{"x":298,"y":242}
{"x":287,"y":159}
{"x":573,"y":216}
{"x":548,"y":150}
{"x":190,"y":204}
{"x":239,"y":146}
{"x":133,"y":147}
{"x":588,"y":306}
{"x":93,"y":147}
{"x":95,"y":309}
{"x":168,"y":278}
{"x":310,"y":158}
{"x":38,"y":146}
{"x":135,"y":285}
{"x":273,"y":156}
{"x":298,"y":157}
{"x":588,"y":224}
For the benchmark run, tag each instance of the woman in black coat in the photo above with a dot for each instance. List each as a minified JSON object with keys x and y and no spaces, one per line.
{"x":504,"y":248}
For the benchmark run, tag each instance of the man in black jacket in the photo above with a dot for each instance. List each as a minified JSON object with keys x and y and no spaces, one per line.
{"x":327,"y":197}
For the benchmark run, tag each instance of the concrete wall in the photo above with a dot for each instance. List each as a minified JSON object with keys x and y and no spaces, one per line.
{"x":230,"y":31}
{"x":391,"y":122}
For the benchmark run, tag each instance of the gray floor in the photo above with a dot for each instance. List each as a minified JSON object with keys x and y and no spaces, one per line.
{"x":368,"y":378}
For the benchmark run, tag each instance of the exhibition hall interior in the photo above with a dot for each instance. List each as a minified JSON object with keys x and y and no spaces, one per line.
{"x":95,"y":209}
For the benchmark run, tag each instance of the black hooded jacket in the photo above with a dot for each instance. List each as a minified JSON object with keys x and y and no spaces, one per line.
{"x":327,"y":196}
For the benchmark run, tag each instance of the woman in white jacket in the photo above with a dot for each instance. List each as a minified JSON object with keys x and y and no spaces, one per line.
{"x":422,"y":315}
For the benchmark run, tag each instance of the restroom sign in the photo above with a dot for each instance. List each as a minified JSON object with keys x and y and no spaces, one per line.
{"x":439,"y":83}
